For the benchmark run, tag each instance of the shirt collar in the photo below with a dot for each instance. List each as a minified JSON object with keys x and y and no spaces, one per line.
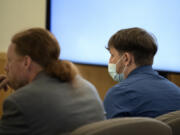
{"x":41,"y":74}
{"x":143,"y":70}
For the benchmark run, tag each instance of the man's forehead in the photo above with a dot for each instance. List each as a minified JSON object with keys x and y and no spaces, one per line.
{"x":11,"y":47}
{"x":11,"y":50}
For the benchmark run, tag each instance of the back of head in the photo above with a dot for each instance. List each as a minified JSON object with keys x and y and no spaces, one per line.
{"x":136,"y":41}
{"x":43,"y":48}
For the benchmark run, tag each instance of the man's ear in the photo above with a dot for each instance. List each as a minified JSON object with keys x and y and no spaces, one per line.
{"x":129,"y":58}
{"x":27,"y":62}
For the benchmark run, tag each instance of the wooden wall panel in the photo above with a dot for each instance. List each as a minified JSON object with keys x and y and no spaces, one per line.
{"x":3,"y":94}
{"x":174,"y":78}
{"x":97,"y":75}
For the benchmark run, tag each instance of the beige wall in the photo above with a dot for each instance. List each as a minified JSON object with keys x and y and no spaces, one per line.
{"x":16,"y":15}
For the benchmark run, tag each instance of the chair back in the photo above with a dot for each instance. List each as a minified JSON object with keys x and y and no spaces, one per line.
{"x":173,"y":120}
{"x":125,"y":126}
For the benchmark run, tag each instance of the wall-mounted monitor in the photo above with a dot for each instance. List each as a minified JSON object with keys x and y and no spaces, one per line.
{"x":83,"y":28}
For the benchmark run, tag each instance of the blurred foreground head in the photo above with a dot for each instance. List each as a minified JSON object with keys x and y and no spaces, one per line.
{"x":32,"y":51}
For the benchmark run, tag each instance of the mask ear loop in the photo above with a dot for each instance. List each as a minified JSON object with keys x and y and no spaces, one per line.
{"x":124,"y":69}
{"x":119,"y":61}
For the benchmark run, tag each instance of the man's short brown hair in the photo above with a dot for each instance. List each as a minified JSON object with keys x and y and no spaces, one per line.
{"x":137,"y":42}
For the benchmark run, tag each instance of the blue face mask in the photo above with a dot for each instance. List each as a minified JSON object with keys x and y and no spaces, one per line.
{"x":112,"y":71}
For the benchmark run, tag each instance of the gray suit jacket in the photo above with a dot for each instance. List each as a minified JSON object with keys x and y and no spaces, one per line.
{"x":50,"y":107}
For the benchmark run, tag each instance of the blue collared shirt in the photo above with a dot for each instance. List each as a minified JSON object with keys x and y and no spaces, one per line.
{"x":143,"y":93}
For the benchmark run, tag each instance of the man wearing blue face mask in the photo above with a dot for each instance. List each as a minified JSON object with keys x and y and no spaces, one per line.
{"x":113,"y":73}
{"x":141,"y":91}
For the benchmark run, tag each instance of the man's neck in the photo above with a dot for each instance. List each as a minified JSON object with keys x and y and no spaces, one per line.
{"x":129,"y":70}
{"x":35,"y":70}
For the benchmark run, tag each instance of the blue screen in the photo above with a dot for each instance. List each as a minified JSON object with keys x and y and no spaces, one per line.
{"x":83,"y":28}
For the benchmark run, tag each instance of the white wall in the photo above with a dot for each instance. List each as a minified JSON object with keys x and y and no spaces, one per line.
{"x":16,"y":15}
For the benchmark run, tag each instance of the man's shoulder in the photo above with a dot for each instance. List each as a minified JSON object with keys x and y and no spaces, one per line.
{"x":121,"y":87}
{"x":79,"y":81}
{"x":35,"y":86}
{"x":46,"y":84}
